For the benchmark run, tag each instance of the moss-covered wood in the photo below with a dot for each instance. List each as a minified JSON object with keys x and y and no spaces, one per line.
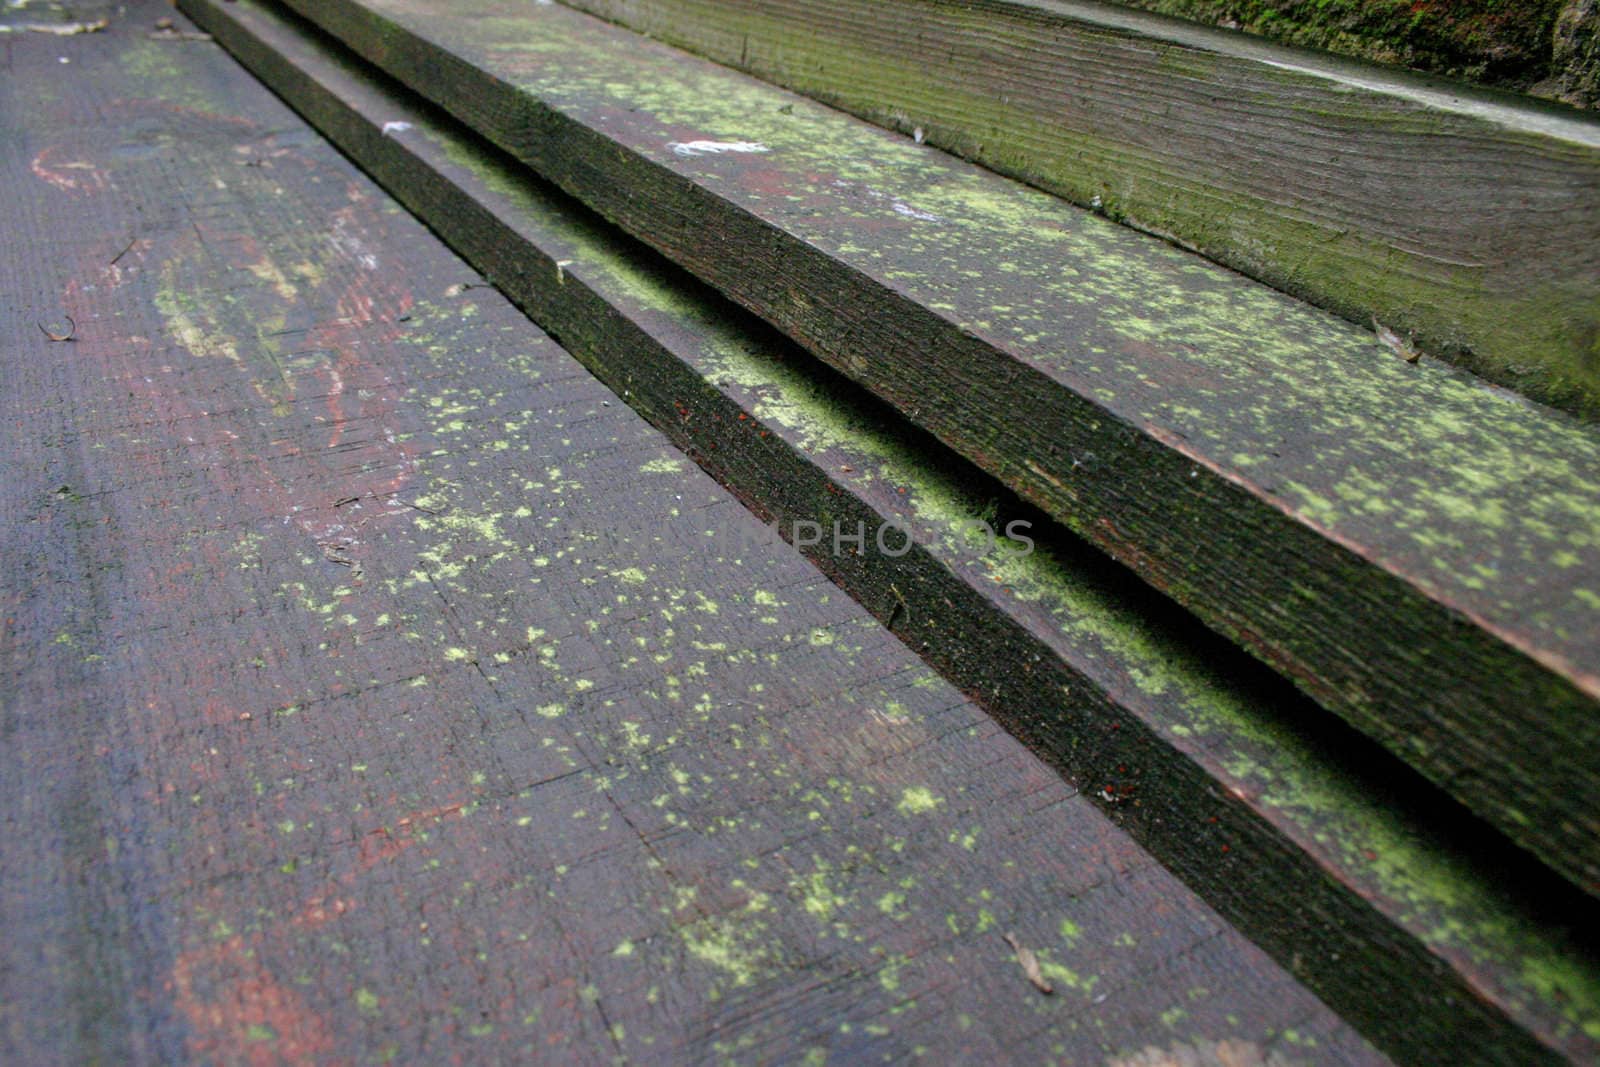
{"x":1469,"y":221}
{"x":1318,"y":848}
{"x":372,"y":691}
{"x":1415,"y":549}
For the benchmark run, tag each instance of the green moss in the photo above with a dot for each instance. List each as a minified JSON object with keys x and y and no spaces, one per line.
{"x":1495,"y":42}
{"x":155,"y":73}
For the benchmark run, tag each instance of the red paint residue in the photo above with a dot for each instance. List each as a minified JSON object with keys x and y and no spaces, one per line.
{"x":240,"y":1013}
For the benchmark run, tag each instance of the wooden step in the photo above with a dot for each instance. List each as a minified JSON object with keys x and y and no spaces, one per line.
{"x":373,"y":692}
{"x":1469,"y":218}
{"x":1306,"y":841}
{"x":1415,"y":549}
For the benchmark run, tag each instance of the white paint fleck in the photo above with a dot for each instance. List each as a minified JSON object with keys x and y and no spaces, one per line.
{"x":715,"y":148}
{"x":351,"y":244}
{"x":900,"y":207}
{"x":391,"y":128}
{"x":912,"y":213}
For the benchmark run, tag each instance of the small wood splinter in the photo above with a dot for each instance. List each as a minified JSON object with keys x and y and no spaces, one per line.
{"x":417,"y":507}
{"x":72,"y":328}
{"x":1030,"y":965}
{"x":167,"y":30}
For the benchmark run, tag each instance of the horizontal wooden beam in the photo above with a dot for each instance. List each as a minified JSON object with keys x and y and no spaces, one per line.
{"x":1468,"y":218}
{"x":1413,"y":548}
{"x":1312,"y":846}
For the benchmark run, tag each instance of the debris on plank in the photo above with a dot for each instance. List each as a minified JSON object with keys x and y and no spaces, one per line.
{"x":1030,"y":965}
{"x":59,"y":335}
{"x":58,"y":29}
{"x":1204,"y":1053}
{"x":1400,"y":346}
{"x":167,"y":30}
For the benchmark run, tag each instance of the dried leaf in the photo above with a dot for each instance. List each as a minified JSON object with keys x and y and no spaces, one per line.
{"x":1205,"y":1053}
{"x":1030,"y":965}
{"x":1400,"y":346}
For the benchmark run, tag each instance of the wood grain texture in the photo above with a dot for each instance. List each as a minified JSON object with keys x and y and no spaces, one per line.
{"x":372,"y":689}
{"x":1416,"y":550}
{"x":1469,"y":219}
{"x":1310,"y":845}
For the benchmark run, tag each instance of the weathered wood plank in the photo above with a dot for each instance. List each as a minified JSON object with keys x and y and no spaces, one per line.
{"x":1470,"y":219}
{"x":1418,"y":551}
{"x":377,"y":692}
{"x":1173,"y":736}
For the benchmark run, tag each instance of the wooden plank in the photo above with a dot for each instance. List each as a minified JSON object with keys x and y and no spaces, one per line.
{"x":1414,"y":549}
{"x":1467,"y":218}
{"x":372,"y":689}
{"x":1186,"y":758}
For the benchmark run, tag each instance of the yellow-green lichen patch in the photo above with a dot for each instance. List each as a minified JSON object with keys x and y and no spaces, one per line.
{"x":918,"y":800}
{"x":733,"y":945}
